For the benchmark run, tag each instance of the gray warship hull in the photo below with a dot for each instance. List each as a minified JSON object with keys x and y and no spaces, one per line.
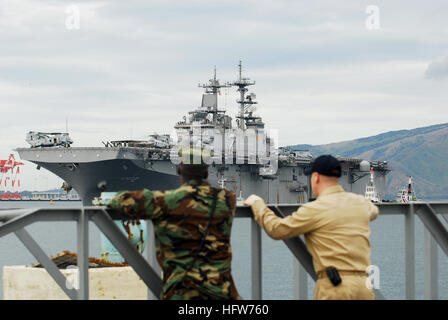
{"x":93,"y":170}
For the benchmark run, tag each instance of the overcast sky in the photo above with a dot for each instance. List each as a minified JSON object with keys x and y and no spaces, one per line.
{"x":325,"y":70}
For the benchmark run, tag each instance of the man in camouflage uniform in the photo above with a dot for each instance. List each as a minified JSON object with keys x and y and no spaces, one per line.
{"x":192,"y":248}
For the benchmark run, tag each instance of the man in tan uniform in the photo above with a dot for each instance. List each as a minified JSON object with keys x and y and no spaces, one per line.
{"x":336,"y":228}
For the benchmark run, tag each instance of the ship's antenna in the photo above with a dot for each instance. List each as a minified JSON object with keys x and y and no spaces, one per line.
{"x":226,"y":93}
{"x":214,"y":77}
{"x":213,"y":87}
{"x":240,"y":65}
{"x":242,"y":84}
{"x":66,"y":124}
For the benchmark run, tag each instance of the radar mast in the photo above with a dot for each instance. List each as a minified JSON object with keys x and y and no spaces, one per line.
{"x":245,"y":102}
{"x":210,"y":98}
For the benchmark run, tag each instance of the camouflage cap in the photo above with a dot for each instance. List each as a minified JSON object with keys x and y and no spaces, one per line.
{"x":195,"y":156}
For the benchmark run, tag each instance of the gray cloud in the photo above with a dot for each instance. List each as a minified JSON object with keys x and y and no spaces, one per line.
{"x":437,"y":69}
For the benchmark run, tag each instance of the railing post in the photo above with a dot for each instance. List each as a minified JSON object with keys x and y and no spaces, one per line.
{"x":409,"y":224}
{"x":83,"y":255}
{"x":151,"y":254}
{"x":300,"y":282}
{"x":431,"y":266}
{"x":256,"y":260}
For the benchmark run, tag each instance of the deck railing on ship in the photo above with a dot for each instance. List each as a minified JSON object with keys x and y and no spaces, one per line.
{"x":15,"y":221}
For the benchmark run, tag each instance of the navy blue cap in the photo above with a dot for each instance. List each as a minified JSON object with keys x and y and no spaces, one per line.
{"x":326,"y":165}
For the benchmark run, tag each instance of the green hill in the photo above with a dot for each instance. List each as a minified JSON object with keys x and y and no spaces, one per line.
{"x":421,"y":153}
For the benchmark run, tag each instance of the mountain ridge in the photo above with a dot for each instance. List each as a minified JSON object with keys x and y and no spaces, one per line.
{"x":419,"y":152}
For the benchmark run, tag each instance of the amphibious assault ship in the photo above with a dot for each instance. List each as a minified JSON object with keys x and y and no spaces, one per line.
{"x":275,"y":173}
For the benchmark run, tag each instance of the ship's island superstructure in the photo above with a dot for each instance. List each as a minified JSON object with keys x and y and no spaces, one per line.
{"x":263,"y":168}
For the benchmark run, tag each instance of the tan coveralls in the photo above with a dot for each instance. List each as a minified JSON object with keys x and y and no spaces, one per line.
{"x":336,"y":228}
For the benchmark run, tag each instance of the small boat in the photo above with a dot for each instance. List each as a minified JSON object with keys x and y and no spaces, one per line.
{"x":406,"y":195}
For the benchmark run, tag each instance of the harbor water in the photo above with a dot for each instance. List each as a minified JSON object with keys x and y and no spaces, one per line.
{"x":387,"y":242}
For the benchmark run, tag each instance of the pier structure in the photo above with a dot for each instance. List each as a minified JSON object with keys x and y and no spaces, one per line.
{"x":54,"y":195}
{"x":146,"y":267}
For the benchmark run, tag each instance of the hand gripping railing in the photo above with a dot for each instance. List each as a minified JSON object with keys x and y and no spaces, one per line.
{"x":295,"y":245}
{"x":435,"y":233}
{"x":15,"y":221}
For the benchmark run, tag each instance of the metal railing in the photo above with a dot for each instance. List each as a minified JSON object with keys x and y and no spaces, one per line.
{"x":15,"y":221}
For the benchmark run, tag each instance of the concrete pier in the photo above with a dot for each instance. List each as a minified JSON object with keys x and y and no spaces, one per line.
{"x":112,"y":283}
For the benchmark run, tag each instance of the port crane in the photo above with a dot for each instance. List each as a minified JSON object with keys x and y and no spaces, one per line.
{"x":10,"y":177}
